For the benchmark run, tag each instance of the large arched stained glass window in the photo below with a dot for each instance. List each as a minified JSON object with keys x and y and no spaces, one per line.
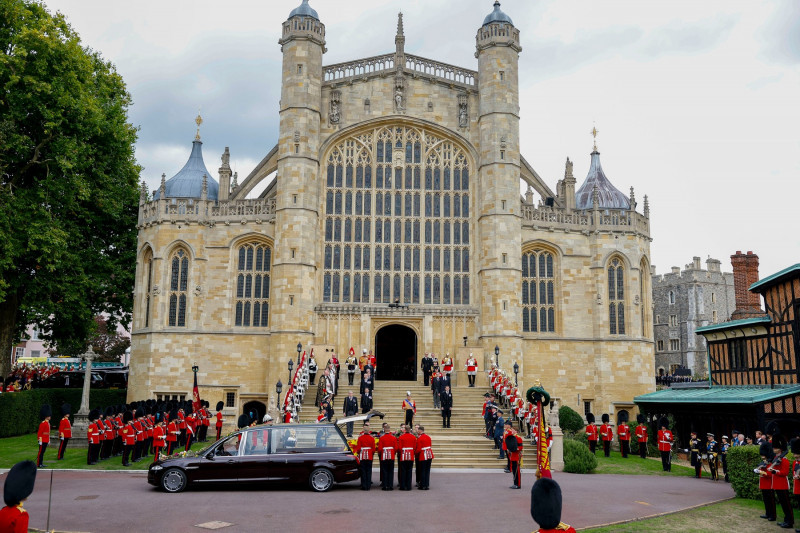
{"x":396,"y":221}
{"x":616,"y":297}
{"x":253,"y":264}
{"x":178,"y":288}
{"x":538,"y":291}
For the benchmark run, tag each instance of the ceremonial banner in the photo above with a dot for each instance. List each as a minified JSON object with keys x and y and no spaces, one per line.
{"x":541,"y":447}
{"x":195,"y":395}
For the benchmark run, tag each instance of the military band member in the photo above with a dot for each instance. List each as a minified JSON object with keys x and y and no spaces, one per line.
{"x":472,"y":369}
{"x":43,"y":434}
{"x":351,"y":363}
{"x":387,"y":448}
{"x":365,"y":450}
{"x":128,"y":437}
{"x":607,"y":434}
{"x":16,"y":489}
{"x":173,"y":433}
{"x":780,"y":470}
{"x":108,"y":434}
{"x":591,"y":432}
{"x":218,"y":424}
{"x":694,"y":454}
{"x":765,"y":481}
{"x":424,"y":453}
{"x":159,"y":439}
{"x":711,"y":454}
{"x":641,"y":435}
{"x":64,"y":430}
{"x":407,"y":445}
{"x":795,"y":473}
{"x":93,"y":436}
{"x":546,"y":507}
{"x":624,"y":434}
{"x":665,"y":444}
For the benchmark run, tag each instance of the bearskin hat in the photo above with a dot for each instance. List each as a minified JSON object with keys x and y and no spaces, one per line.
{"x":605,"y":418}
{"x":173,"y":415}
{"x":766,"y":450}
{"x":546,"y":503}
{"x":663,"y":422}
{"x":244,"y":421}
{"x":622,"y":417}
{"x":794,"y":446}
{"x":66,"y":409}
{"x":45,"y":411}
{"x":127,"y":416}
{"x":640,"y":418}
{"x":19,"y":483}
{"x":109,"y":411}
{"x":779,"y":441}
{"x":94,"y":414}
{"x":220,"y":406}
{"x":773,"y":429}
{"x":590,"y":418}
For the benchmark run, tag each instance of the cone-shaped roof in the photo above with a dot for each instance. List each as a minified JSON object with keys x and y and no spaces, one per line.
{"x":497,"y":16}
{"x":188,"y":183}
{"x":304,"y":10}
{"x":609,"y":196}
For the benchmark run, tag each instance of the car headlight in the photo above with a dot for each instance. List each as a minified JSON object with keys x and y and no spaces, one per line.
{"x":156,"y":467}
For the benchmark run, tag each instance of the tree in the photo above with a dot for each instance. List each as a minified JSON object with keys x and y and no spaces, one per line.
{"x":68,"y":183}
{"x":108,"y":343}
{"x":569,"y":420}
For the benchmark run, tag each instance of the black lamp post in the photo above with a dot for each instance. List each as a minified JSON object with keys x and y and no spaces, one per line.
{"x":516,"y":371}
{"x":465,"y":341}
{"x":497,"y":355}
{"x":291,"y":365}
{"x":299,"y":349}
{"x":278,"y":389}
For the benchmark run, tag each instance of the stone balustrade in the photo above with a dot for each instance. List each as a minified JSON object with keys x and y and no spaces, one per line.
{"x":385,"y":64}
{"x":544,"y":217}
{"x":188,"y":210}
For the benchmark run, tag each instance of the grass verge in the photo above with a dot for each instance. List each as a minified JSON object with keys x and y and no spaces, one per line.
{"x":635,"y":465}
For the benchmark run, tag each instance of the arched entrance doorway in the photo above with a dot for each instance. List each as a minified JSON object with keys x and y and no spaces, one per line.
{"x":396,"y":351}
{"x":255,"y":410}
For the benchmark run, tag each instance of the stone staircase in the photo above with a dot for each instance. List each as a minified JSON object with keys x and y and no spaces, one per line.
{"x":463,"y":445}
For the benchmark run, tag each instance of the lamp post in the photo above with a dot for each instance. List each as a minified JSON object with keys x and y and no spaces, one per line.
{"x":516,"y":371}
{"x":291,"y":365}
{"x":497,"y":355}
{"x":278,"y":389}
{"x":299,"y":349}
{"x":465,"y":341}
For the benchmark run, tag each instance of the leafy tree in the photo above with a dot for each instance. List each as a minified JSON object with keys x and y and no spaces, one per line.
{"x":108,"y":343}
{"x":68,"y":183}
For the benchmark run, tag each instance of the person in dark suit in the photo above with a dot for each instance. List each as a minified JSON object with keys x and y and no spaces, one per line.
{"x":367,"y":381}
{"x":446,"y":400}
{"x":436,"y":387}
{"x":498,"y":434}
{"x":427,"y":365}
{"x":350,"y":408}
{"x":366,"y":401}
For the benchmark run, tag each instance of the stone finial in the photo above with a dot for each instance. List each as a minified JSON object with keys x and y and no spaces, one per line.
{"x":204,"y":193}
{"x":633,"y":200}
{"x":143,"y":192}
{"x":568,"y":170}
{"x":400,"y":24}
{"x":226,"y":158}
{"x":529,"y":195}
{"x":595,"y":197}
{"x":400,"y":44}
{"x":162,"y":190}
{"x":646,"y":206}
{"x":235,"y":180}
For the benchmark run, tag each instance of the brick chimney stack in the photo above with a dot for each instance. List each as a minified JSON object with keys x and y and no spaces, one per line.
{"x":745,"y":273}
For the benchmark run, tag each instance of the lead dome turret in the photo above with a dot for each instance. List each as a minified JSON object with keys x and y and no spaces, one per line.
{"x":188,"y":182}
{"x":304,"y":10}
{"x":497,"y":16}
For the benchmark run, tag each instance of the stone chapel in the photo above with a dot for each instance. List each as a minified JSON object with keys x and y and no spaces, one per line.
{"x":393,"y":221}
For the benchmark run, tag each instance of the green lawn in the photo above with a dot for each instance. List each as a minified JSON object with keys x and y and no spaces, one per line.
{"x":15,"y":449}
{"x":637,"y":466}
{"x":731,"y":515}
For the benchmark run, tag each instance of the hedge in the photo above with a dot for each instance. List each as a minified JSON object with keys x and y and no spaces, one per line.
{"x":569,"y":420}
{"x":577,"y":457}
{"x":742,"y":460}
{"x":19,"y":411}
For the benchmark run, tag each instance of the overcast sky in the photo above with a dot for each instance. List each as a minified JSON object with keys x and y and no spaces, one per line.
{"x":697,"y":103}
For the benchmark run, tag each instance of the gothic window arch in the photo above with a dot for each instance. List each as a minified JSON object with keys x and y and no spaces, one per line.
{"x":644,"y":296}
{"x":538,"y":291}
{"x":147,"y":283}
{"x":251,"y":295}
{"x":616,"y":296}
{"x":178,"y":288}
{"x":417,"y":236}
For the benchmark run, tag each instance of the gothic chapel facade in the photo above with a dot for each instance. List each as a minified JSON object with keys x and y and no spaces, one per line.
{"x":397,"y":180}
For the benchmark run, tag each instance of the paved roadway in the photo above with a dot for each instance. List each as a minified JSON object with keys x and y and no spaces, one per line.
{"x":457,"y":501}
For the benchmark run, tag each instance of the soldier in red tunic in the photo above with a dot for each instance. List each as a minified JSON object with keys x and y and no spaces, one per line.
{"x":546,"y":507}
{"x":18,"y":486}
{"x":407,"y":445}
{"x":591,"y":432}
{"x":641,"y":435}
{"x":64,"y":430}
{"x":172,"y":432}
{"x":128,"y":437}
{"x":624,"y":433}
{"x":365,"y":450}
{"x":218,"y":425}
{"x":93,"y":436}
{"x":387,"y":448}
{"x":765,"y":481}
{"x":780,"y":469}
{"x":665,"y":444}
{"x":795,"y":447}
{"x":512,"y":448}
{"x":424,"y":459}
{"x":43,"y":435}
{"x":607,"y":434}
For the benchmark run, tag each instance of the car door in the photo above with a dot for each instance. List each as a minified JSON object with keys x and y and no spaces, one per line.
{"x":220,"y":464}
{"x":254,"y":457}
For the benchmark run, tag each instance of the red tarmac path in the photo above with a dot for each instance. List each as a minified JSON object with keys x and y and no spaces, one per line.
{"x":457,"y":501}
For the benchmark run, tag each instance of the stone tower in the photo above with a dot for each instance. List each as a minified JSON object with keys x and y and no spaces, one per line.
{"x":296,"y":215}
{"x":498,"y":205}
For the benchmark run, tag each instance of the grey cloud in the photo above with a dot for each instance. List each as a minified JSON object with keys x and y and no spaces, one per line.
{"x":780,"y":35}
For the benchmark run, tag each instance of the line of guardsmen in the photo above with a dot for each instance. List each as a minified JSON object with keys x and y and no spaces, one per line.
{"x":411,"y":446}
{"x":133,"y":431}
{"x":774,"y":473}
{"x":605,"y":434}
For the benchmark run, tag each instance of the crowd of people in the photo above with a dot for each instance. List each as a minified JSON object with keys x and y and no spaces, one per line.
{"x":25,"y":377}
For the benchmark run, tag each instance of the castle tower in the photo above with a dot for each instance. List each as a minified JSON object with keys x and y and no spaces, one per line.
{"x":498,"y":205}
{"x":297,"y":200}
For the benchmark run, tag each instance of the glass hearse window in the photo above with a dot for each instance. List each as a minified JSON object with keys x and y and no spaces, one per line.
{"x":256,"y":442}
{"x":306,"y":440}
{"x":228,"y":448}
